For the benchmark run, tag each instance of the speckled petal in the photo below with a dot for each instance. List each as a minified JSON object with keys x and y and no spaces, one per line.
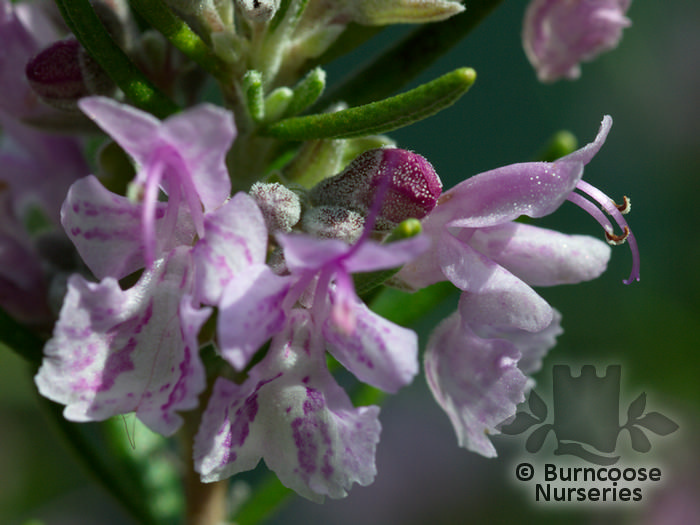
{"x":476,"y":381}
{"x":115,"y":352}
{"x":235,"y":237}
{"x":291,"y":413}
{"x":250,"y":313}
{"x":377,"y":351}
{"x":106,"y":229}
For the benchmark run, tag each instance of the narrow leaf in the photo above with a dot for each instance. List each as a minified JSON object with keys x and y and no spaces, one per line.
{"x":636,"y":408}
{"x":657,"y":423}
{"x":397,"y":66}
{"x":520,"y":424}
{"x":20,"y":339}
{"x":88,"y":29}
{"x":378,"y":117}
{"x":536,"y":440}
{"x":307,"y":91}
{"x":640,"y":442}
{"x":406,"y":309}
{"x":537,"y":406}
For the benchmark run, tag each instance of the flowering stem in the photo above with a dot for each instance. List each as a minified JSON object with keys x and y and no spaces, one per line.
{"x":88,"y":29}
{"x":181,"y":36}
{"x":378,"y":117}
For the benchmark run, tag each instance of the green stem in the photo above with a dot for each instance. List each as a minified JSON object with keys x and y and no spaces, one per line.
{"x":88,"y":29}
{"x":156,"y":13}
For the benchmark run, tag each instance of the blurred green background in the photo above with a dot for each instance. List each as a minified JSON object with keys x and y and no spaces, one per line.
{"x":651,"y":87}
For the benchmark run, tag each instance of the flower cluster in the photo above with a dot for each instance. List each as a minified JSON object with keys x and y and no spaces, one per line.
{"x":212,"y":230}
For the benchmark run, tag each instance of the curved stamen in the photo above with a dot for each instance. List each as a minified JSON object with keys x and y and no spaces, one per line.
{"x":612,"y":210}
{"x":625,"y":207}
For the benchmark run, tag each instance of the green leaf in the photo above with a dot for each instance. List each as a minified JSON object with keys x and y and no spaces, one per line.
{"x":172,"y":27}
{"x":405,"y":309}
{"x":253,"y":91}
{"x":378,"y":117}
{"x":88,"y":29}
{"x":307,"y":91}
{"x":397,"y":66}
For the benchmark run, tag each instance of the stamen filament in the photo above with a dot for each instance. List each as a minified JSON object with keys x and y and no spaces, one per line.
{"x":611,"y":208}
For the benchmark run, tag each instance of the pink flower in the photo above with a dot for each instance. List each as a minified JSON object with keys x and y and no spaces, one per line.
{"x":558,"y":34}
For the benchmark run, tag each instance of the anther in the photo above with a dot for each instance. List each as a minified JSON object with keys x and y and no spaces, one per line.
{"x":616,"y":240}
{"x":625,"y":207}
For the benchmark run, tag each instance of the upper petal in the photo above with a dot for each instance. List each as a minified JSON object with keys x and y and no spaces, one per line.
{"x":134,"y":130}
{"x":543,"y":257}
{"x":476,"y":381}
{"x":534,"y":189}
{"x":202,"y":136}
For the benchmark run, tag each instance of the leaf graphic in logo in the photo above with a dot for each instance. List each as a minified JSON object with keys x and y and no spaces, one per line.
{"x":520,"y":424}
{"x":640,"y":442}
{"x":536,"y":440}
{"x":636,"y":408}
{"x":657,"y":423}
{"x":539,"y":409}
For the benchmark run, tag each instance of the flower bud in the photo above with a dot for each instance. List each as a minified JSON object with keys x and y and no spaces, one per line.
{"x":258,"y":10}
{"x":279,"y":205}
{"x":63,"y":73}
{"x":412,"y":192}
{"x":383,"y":12}
{"x":332,"y":222}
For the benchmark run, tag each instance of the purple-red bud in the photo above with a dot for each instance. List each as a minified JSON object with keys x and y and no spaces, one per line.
{"x":63,"y":73}
{"x":412,"y":193}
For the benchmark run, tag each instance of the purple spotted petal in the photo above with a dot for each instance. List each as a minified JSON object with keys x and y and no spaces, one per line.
{"x":372,"y":256}
{"x":291,"y":413}
{"x":235,"y":238}
{"x":476,"y":381}
{"x":250,"y":312}
{"x":495,"y":297}
{"x":542,"y":257}
{"x":115,"y":352}
{"x":106,"y":229}
{"x":377,"y":351}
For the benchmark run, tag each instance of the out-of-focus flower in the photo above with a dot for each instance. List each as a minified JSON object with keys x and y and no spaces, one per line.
{"x":559,"y":34}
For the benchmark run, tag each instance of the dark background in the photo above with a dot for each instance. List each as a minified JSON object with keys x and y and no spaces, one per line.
{"x":651,"y":86}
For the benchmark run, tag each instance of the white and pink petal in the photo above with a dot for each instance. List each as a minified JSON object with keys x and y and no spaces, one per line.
{"x":476,"y":381}
{"x":107,"y":229}
{"x":235,"y":238}
{"x":115,"y":352}
{"x":542,"y":257}
{"x":378,"y":352}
